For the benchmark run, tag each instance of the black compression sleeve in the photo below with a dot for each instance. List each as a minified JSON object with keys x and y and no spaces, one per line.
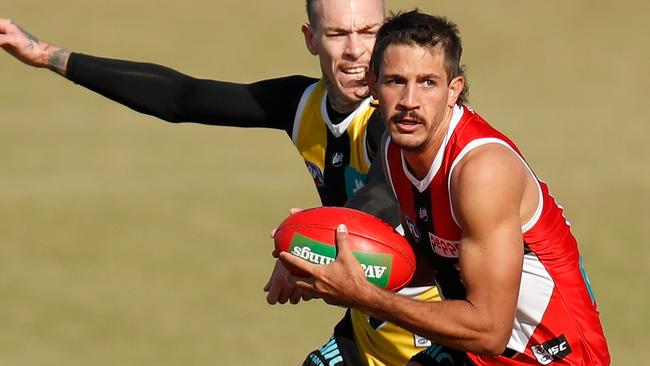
{"x":176,"y":97}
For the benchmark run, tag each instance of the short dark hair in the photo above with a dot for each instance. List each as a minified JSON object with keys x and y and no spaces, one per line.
{"x":424,"y":30}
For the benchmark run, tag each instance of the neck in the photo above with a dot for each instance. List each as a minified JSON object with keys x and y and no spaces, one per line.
{"x":419,"y":160}
{"x":343,"y":107}
{"x":338,"y":102}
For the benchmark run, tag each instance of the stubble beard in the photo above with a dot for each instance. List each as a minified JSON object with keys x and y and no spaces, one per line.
{"x":407,"y":141}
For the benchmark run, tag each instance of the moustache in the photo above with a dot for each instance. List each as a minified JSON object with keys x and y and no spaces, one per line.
{"x":412,"y":115}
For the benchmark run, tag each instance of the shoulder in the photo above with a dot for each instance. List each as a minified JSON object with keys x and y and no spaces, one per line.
{"x":491,"y":162}
{"x":489,"y":181}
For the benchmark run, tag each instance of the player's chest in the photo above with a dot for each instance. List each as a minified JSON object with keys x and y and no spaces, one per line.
{"x":428,"y":218}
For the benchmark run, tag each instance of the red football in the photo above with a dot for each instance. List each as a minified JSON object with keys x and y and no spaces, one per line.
{"x":385,"y":255}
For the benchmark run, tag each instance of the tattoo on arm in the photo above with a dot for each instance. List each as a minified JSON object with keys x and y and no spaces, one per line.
{"x":57,"y":58}
{"x":58,"y":61}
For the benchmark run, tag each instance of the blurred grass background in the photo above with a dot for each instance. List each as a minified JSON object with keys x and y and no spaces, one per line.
{"x":125,"y":240}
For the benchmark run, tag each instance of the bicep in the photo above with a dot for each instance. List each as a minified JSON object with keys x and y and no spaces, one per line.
{"x":268,"y":103}
{"x":486,"y":197}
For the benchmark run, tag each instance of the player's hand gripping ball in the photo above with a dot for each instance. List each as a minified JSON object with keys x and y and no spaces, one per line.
{"x":386,"y":256}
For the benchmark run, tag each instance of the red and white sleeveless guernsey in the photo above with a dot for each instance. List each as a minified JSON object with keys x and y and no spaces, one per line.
{"x":557,"y":319}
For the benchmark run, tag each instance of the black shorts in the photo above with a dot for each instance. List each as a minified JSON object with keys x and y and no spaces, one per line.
{"x":340,"y":350}
{"x":438,"y":355}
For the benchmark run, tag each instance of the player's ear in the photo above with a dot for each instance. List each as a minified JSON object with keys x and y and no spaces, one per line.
{"x":455,"y":88}
{"x":371,"y":79}
{"x":309,"y":38}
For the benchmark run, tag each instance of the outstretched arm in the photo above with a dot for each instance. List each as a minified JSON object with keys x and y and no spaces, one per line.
{"x":30,"y":50}
{"x":162,"y":92}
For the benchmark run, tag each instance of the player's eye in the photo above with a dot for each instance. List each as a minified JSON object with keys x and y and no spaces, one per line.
{"x":394,"y":81}
{"x":428,"y":83}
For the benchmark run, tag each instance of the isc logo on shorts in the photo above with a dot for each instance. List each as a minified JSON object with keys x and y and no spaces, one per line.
{"x":553,"y":350}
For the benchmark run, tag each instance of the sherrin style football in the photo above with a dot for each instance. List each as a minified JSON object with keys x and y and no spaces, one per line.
{"x":384,"y":254}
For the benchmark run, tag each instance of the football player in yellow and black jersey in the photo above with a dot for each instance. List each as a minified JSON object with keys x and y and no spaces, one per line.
{"x":329,"y":120}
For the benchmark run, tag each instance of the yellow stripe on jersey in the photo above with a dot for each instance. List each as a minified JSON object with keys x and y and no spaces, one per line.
{"x":310,"y":136}
{"x":389,"y":344}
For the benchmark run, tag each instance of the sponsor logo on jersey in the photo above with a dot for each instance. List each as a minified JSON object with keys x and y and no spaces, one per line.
{"x":316,"y":173}
{"x":553,"y":350}
{"x":443,"y":247}
{"x":337,"y":159}
{"x":413,"y":228}
{"x":420,"y":342}
{"x":354,"y":180}
{"x":423,"y":214}
{"x":376,"y":266}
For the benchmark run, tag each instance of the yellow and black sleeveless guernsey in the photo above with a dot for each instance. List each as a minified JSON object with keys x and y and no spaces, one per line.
{"x":338,"y":159}
{"x":336,"y":155}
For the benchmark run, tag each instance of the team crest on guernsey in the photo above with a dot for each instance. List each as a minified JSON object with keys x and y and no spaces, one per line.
{"x":422,"y":213}
{"x":413,"y":228}
{"x":316,"y":173}
{"x":337,"y":159}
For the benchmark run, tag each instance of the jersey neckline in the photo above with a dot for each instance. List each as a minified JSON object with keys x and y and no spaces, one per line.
{"x":422,"y":185}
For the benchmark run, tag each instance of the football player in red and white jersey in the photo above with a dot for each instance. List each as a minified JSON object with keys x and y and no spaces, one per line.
{"x":504,"y":257}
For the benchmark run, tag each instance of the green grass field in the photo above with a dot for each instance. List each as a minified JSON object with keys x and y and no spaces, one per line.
{"x":125,"y":240}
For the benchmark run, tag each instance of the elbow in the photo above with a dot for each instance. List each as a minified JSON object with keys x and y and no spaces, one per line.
{"x":492,"y":343}
{"x":492,"y":348}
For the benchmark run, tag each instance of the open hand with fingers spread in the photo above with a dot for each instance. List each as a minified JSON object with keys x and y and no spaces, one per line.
{"x":280,"y":289}
{"x":27,"y":48}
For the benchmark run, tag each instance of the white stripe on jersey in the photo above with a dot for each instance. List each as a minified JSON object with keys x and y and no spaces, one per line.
{"x":535,"y":293}
{"x":491,"y":140}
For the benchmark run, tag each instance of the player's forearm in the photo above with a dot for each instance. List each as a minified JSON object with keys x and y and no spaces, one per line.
{"x":175,"y":97}
{"x":152,"y":89}
{"x":453,"y":323}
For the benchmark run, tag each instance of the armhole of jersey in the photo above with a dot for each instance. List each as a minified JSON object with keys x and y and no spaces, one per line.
{"x":490,"y":140}
{"x":385,"y":141}
{"x":299,"y":111}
